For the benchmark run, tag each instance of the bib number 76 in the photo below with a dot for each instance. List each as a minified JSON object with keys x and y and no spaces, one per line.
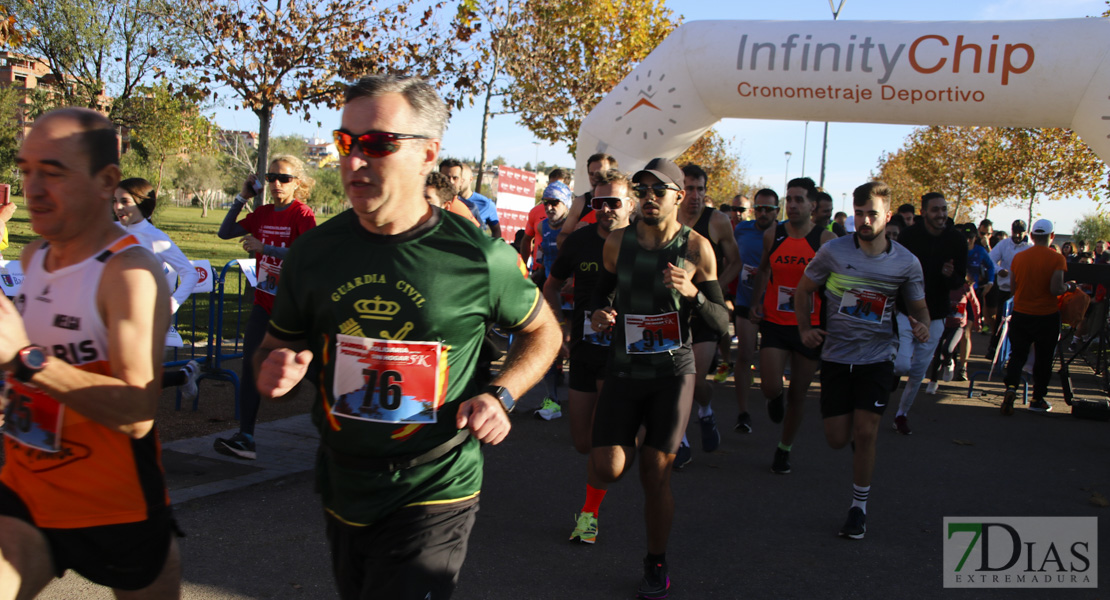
{"x":390,"y":394}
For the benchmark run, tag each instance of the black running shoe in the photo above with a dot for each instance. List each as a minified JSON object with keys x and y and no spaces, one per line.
{"x":781,"y":464}
{"x":682,"y":457}
{"x":655,"y":583}
{"x":710,"y":437}
{"x":856,"y":525}
{"x":776,"y":407}
{"x":743,"y":423}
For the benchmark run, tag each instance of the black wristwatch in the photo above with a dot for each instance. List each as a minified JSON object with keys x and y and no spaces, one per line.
{"x":28,"y":361}
{"x":502,"y":395}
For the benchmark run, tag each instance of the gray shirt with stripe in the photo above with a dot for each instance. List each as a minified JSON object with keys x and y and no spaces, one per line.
{"x":859,"y":296}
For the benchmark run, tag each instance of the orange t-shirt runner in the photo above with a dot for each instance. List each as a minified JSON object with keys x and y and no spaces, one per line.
{"x":1032,"y":272}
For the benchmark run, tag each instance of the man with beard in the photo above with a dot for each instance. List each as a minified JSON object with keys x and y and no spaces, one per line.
{"x":714,"y":226}
{"x":942,"y":252}
{"x":555,"y":198}
{"x":581,"y":258}
{"x":862,"y":275}
{"x":662,"y":273}
{"x":749,"y":238}
{"x":787,"y":249}
{"x":580,"y":212}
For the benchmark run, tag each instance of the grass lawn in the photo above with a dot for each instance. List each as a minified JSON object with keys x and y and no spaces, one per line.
{"x":198,"y":240}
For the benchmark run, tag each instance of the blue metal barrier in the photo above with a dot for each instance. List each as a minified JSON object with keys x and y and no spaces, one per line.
{"x":214,"y":351}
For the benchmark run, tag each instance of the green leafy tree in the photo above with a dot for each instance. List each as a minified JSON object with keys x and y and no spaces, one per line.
{"x":892,"y":171}
{"x":328,"y":191}
{"x":201,"y":178}
{"x":294,"y":145}
{"x":166,"y":125}
{"x":11,"y":125}
{"x":103,"y":50}
{"x":1092,"y":228}
{"x":295,"y":55}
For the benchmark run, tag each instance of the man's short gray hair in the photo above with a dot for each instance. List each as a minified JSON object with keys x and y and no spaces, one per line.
{"x":428,"y":108}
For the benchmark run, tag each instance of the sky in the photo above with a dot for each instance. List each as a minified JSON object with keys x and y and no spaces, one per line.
{"x":853,"y":149}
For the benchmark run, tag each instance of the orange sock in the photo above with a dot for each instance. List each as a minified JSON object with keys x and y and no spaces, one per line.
{"x":594,"y":497}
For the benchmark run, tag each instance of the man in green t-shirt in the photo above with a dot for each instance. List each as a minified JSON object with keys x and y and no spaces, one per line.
{"x":388,"y":302}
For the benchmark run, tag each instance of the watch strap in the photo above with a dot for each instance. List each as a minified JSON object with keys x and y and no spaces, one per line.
{"x":503,"y":396}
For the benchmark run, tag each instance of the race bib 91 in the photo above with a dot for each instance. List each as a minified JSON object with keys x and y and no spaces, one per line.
{"x":32,"y":417}
{"x":388,"y":381}
{"x":652,"y":334}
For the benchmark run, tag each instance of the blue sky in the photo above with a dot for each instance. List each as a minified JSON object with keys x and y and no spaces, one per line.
{"x":853,"y":149}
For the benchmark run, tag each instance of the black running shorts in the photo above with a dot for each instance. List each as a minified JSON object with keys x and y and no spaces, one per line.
{"x":587,"y":366}
{"x":662,"y":405}
{"x":847,"y":388}
{"x":413,"y":554}
{"x":786,"y":337}
{"x":127,"y":556}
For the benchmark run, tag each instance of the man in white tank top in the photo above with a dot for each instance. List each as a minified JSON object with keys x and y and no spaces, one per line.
{"x":81,"y":348}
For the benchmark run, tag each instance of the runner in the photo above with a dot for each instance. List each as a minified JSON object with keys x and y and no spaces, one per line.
{"x":862,"y":275}
{"x":581,"y":258}
{"x":738,"y":210}
{"x":580,"y":212}
{"x":749,"y":238}
{"x":942,"y":252}
{"x":714,"y":226}
{"x":555,"y":198}
{"x":82,"y":486}
{"x":787,"y":249}
{"x":662,"y":273}
{"x":393,"y":324}
{"x":267,"y":234}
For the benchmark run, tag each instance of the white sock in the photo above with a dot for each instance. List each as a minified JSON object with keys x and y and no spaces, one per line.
{"x":684,"y":442}
{"x":859,"y":496}
{"x":704,"y":411}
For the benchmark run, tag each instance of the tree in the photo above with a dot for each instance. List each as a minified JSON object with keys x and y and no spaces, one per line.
{"x":202,"y":177}
{"x":944,"y":159}
{"x":100,"y":50}
{"x":1050,"y":163}
{"x":328,"y":191}
{"x":294,"y":145}
{"x":295,"y":54}
{"x":1092,"y":228}
{"x":992,"y":170}
{"x":11,"y":128}
{"x":721,"y":163}
{"x":904,"y":188}
{"x":569,"y":54}
{"x":165,"y":125}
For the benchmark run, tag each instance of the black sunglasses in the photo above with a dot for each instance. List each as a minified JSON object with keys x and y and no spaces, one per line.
{"x":659,"y":189}
{"x":375,"y":144}
{"x":765,"y":208}
{"x":613,"y":202}
{"x":282,"y":177}
{"x":736,"y":209}
{"x":552,"y":203}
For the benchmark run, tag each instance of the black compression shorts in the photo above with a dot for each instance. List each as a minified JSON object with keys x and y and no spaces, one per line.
{"x":662,"y":405}
{"x":846,"y":388}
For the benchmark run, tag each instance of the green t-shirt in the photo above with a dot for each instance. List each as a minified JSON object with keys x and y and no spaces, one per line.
{"x":403,"y":318}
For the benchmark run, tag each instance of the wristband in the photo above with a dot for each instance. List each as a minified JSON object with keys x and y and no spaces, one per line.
{"x":239,"y":199}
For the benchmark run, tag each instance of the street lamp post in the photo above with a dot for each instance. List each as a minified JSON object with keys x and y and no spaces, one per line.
{"x":825,"y":140}
{"x":786,"y":177}
{"x":536,"y":164}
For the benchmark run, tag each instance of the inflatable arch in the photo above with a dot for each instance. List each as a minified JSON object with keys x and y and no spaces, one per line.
{"x":991,"y":73}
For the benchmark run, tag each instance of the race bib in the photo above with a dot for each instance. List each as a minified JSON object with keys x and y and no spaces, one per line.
{"x":268,"y":277}
{"x":786,"y":300}
{"x":388,"y":381}
{"x":864,"y":306}
{"x":32,"y":417}
{"x":747,"y":275}
{"x":597,"y":338}
{"x":652,"y":334}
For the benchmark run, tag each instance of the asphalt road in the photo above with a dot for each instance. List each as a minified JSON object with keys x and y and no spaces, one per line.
{"x":739,"y":531}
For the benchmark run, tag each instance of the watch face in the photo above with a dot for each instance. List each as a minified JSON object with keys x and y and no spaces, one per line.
{"x":33,"y":357}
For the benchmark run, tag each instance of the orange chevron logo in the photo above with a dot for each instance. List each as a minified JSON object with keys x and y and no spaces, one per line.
{"x":642,"y":102}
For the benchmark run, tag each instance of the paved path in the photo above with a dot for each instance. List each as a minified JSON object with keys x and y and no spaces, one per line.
{"x":255,"y":528}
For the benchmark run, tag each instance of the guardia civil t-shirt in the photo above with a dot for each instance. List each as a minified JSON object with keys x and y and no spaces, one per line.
{"x":395,"y":324}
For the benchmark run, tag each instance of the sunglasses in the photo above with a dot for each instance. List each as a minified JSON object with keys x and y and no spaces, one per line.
{"x":375,"y":144}
{"x":282,"y":177}
{"x":765,"y":208}
{"x":552,"y":203}
{"x":613,"y":202}
{"x":659,"y":189}
{"x":736,"y":209}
